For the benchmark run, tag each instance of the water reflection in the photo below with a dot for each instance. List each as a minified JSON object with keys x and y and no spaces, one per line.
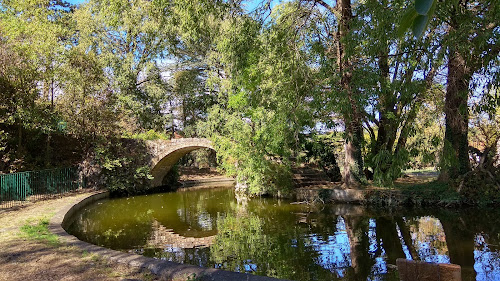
{"x":274,"y":238}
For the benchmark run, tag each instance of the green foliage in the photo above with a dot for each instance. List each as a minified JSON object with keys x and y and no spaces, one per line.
{"x":398,"y":88}
{"x":238,"y":235}
{"x":250,"y":151}
{"x":123,"y":166}
{"x":39,"y":231}
{"x":388,"y":166}
{"x":129,"y":38}
{"x":423,"y":7}
{"x":253,"y":83}
{"x":479,"y":187}
{"x":268,"y":83}
{"x":149,"y":135}
{"x":193,"y":99}
{"x":88,"y":105}
{"x":323,"y":148}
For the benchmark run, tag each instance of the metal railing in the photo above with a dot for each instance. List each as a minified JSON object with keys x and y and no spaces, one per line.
{"x":19,"y":188}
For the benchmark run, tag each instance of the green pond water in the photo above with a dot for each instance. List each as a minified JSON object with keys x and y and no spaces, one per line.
{"x":208,"y":227}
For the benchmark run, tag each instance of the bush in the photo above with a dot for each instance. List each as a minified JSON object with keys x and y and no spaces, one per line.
{"x":479,"y":186}
{"x":322,"y":150}
{"x":120,"y":165}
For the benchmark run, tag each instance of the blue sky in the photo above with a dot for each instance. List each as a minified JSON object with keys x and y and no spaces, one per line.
{"x":75,"y":1}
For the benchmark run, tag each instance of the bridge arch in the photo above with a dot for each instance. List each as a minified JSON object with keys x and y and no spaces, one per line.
{"x":166,"y":153}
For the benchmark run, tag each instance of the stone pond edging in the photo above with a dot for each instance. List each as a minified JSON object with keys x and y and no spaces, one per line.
{"x":170,"y":270}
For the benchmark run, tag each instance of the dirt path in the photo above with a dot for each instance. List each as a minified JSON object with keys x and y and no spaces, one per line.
{"x":27,"y":258}
{"x":193,"y":173}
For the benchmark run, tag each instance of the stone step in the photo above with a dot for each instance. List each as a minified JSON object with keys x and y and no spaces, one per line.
{"x":313,"y":183}
{"x":316,"y":175}
{"x":309,"y":173}
{"x":316,"y":186}
{"x":310,"y":177}
{"x":312,"y":180}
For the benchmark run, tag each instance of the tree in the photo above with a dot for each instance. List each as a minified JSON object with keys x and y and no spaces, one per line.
{"x":35,"y":34}
{"x":471,"y":45}
{"x":398,"y":77}
{"x":192,"y":96}
{"x":267,"y":79}
{"x":352,"y":109}
{"x":130,"y":38}
{"x":88,"y":104}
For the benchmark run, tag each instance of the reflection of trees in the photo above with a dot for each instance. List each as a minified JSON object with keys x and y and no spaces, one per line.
{"x":276,"y":248}
{"x":361,"y":262}
{"x":125,"y":223}
{"x":193,"y":213}
{"x":429,"y":239}
{"x":388,"y":234}
{"x":461,"y":241}
{"x":298,"y":242}
{"x":462,"y":230}
{"x":107,"y":225}
{"x":291,"y":242}
{"x":406,"y":236}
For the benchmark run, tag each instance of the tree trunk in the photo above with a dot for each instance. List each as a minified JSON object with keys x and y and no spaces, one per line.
{"x":387,"y":127}
{"x":455,"y":158}
{"x":353,"y":162}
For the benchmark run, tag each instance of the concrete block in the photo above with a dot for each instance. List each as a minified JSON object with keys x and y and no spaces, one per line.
{"x":423,"y":271}
{"x":450,"y":272}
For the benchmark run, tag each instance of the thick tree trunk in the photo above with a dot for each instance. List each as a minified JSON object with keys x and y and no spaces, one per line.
{"x":406,"y":234}
{"x":387,"y":127}
{"x":353,"y":163}
{"x":455,"y":158}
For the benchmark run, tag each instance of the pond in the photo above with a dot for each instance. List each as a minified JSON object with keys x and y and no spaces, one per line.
{"x":264,"y":236}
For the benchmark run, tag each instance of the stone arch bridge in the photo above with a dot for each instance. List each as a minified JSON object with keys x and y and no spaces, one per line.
{"x":165,"y":153}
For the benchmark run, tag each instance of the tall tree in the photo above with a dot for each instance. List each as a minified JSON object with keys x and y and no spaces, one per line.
{"x":267,"y":83}
{"x":37,"y":35}
{"x":397,"y":76}
{"x":130,"y":37}
{"x":471,"y":45}
{"x":352,"y":109}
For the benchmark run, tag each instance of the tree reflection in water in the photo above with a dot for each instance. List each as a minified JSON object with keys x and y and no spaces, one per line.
{"x":299,"y":242}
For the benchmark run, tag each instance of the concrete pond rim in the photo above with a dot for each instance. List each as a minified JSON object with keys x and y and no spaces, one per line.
{"x":161,"y":268}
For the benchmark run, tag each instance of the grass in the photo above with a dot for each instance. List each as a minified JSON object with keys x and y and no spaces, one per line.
{"x":39,"y":231}
{"x":432,"y":192}
{"x":421,"y":170}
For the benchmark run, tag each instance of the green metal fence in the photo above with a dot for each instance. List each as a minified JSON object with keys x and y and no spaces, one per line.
{"x":18,"y":188}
